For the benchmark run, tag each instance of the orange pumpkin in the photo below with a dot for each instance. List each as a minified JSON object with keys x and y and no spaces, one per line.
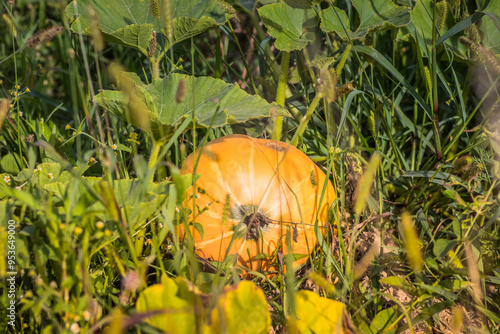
{"x":250,"y":195}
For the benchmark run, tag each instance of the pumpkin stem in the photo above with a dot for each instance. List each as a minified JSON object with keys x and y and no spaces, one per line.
{"x":254,"y":222}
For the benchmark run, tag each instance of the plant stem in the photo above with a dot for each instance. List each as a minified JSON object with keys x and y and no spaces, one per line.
{"x":217,"y":56}
{"x":280,"y":95}
{"x":156,"y":69}
{"x":306,"y":118}
{"x":154,"y":154}
{"x":435,"y":100}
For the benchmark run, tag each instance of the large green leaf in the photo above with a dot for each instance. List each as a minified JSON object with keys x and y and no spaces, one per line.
{"x":489,"y":30}
{"x":421,"y":23}
{"x":166,"y":110}
{"x":289,"y":25}
{"x":131,"y":22}
{"x":374,"y":15}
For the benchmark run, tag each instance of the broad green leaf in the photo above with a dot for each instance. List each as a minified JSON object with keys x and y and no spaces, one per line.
{"x":43,"y":174}
{"x":291,"y":26}
{"x":131,"y":22}
{"x":317,"y":314}
{"x":241,"y":310}
{"x":135,"y":199}
{"x":383,"y":320}
{"x":442,"y":247}
{"x":438,"y":290}
{"x":302,"y":3}
{"x":214,"y":100}
{"x":489,"y":30}
{"x":8,"y":163}
{"x":375,"y":15}
{"x":176,"y":300}
{"x":421,"y":21}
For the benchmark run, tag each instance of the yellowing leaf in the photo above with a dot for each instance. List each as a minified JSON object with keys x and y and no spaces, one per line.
{"x":178,"y":301}
{"x":241,"y":310}
{"x":317,"y":314}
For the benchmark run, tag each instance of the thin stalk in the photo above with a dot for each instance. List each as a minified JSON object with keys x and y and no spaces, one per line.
{"x":435,"y":100}
{"x":218,"y":56}
{"x":280,"y":95}
{"x":306,"y":118}
{"x":156,"y":68}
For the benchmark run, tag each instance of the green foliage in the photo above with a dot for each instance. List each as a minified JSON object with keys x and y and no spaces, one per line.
{"x":289,"y":25}
{"x":132,"y":23}
{"x":373,"y":16}
{"x":161,"y":108}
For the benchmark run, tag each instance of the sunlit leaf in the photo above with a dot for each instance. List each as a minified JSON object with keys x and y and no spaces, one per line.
{"x":242,"y":309}
{"x":489,"y":30}
{"x":375,"y":15}
{"x":317,"y":314}
{"x":178,"y":302}
{"x":131,"y":22}
{"x":291,"y":26}
{"x":216,"y":103}
{"x":422,"y":21}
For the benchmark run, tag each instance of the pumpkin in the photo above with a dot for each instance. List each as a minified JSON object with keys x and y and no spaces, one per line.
{"x":251,"y":195}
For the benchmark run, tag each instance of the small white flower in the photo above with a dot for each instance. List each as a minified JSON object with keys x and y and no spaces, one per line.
{"x":51,"y":175}
{"x":86,"y":315}
{"x":6,"y":178}
{"x":75,"y":328}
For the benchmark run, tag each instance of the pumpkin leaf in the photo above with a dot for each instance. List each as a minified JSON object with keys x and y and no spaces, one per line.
{"x":242,"y":309}
{"x":375,"y":15}
{"x":131,"y":23}
{"x":490,"y":27}
{"x":178,"y":302}
{"x":290,"y":25}
{"x":421,"y":27}
{"x":239,"y":309}
{"x":317,"y":314}
{"x":166,"y":110}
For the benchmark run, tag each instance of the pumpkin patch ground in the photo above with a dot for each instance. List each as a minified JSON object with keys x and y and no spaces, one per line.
{"x":249,"y":167}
